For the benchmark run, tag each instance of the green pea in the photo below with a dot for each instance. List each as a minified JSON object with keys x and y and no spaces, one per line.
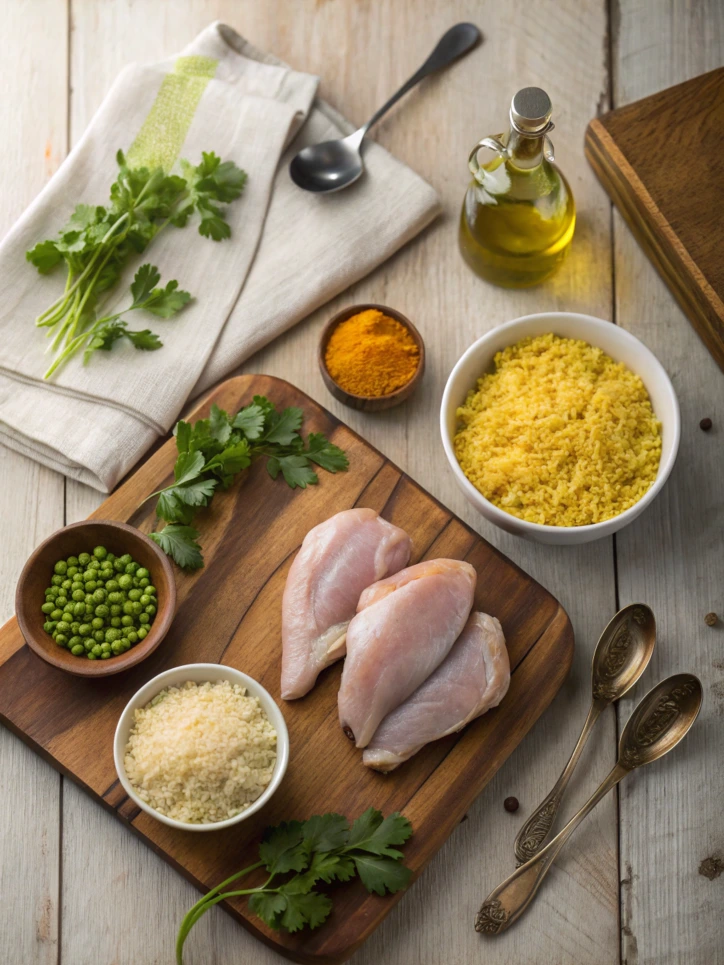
{"x":63,"y":626}
{"x":134,"y":594}
{"x":49,"y":626}
{"x":142,"y":632}
{"x":88,"y":576}
{"x":88,"y":598}
{"x":114,"y":598}
{"x":126,"y":621}
{"x":48,"y":607}
{"x":102,"y":611}
{"x":150,"y":610}
{"x":89,"y":609}
{"x":125,"y":581}
{"x":142,"y":573}
{"x":110,"y":557}
{"x":137,"y":608}
{"x":118,"y":566}
{"x":74,"y":627}
{"x":145,"y":599}
{"x":99,"y":636}
{"x":115,"y":622}
{"x":117,"y":647}
{"x":151,"y":590}
{"x":60,"y":567}
{"x":144,"y":618}
{"x":113,"y":634}
{"x":61,"y":639}
{"x":72,"y":561}
{"x":74,"y":641}
{"x":105,"y":647}
{"x":96,"y":651}
{"x":128,"y":607}
{"x":132,"y":637}
{"x":99,"y":596}
{"x":144,"y":582}
{"x":88,"y":643}
{"x":91,"y":586}
{"x":78,"y":595}
{"x":112,"y":586}
{"x":84,"y":559}
{"x":52,"y":592}
{"x":79,"y":609}
{"x":84,"y":629}
{"x":97,"y":623}
{"x":78,"y":650}
{"x":106,"y":655}
{"x":116,"y":610}
{"x":91,"y":655}
{"x":66,"y":584}
{"x":126,"y":559}
{"x":100,"y":552}
{"x":56,"y":580}
{"x":94,"y":565}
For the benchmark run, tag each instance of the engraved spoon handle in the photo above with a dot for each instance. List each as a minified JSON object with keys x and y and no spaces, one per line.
{"x":537,"y":828}
{"x":510,"y":899}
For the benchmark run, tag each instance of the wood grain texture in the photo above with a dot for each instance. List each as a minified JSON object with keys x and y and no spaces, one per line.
{"x":673,"y":555}
{"x":34,"y":111}
{"x":230,"y":612}
{"x":673,"y":209}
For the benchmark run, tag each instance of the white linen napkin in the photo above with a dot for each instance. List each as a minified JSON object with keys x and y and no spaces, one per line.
{"x":290,"y":251}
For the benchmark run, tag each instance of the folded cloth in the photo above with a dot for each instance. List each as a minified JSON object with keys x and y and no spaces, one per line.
{"x":290,"y":251}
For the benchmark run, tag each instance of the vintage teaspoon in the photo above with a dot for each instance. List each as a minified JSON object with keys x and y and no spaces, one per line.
{"x":333,"y":165}
{"x":656,"y":726}
{"x":621,"y":656}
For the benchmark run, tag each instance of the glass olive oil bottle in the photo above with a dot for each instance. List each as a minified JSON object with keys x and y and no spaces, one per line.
{"x":518,"y":215}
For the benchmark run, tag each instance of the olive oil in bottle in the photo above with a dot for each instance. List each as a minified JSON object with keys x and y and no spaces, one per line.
{"x":518,"y":215}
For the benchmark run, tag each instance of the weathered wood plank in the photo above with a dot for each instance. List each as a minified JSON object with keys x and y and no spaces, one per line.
{"x":673,"y":555}
{"x":33,"y":73}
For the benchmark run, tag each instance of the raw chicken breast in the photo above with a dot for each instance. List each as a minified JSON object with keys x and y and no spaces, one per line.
{"x":336,"y":561}
{"x":472,"y":678}
{"x":404,"y":628}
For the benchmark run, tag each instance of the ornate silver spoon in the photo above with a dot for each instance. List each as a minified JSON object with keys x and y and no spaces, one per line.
{"x":656,"y":726}
{"x":621,"y":656}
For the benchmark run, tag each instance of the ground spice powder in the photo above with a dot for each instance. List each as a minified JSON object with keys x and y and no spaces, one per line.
{"x":371,"y":354}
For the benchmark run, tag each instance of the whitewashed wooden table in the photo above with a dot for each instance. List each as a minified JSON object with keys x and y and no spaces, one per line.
{"x":75,"y":887}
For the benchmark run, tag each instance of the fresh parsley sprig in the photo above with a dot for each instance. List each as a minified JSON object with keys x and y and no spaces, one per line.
{"x":97,"y":242}
{"x":324,"y":848}
{"x":213,"y":451}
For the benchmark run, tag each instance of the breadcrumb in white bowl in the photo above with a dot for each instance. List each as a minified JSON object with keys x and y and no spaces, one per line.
{"x":201,"y":747}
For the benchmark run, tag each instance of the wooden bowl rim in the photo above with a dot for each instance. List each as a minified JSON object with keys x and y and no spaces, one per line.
{"x":132,"y":657}
{"x":346,"y":313}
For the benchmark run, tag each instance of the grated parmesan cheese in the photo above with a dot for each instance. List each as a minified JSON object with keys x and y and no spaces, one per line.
{"x":201,"y":753}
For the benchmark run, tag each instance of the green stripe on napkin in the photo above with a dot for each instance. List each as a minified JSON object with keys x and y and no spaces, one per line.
{"x":163,"y":132}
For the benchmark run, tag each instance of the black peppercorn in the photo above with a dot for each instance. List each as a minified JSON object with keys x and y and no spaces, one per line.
{"x":511,"y":804}
{"x":705,"y":424}
{"x":711,"y":619}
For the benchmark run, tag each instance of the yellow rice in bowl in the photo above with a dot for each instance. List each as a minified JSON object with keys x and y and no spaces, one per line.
{"x":559,"y":433}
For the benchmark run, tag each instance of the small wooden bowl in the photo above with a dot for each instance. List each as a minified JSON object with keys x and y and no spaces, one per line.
{"x":366,"y":403}
{"x":118,"y":538}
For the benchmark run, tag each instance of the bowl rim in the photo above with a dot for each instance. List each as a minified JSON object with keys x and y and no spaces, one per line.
{"x":349,"y":312}
{"x":132,"y":657}
{"x":223,"y":672}
{"x":500,"y":516}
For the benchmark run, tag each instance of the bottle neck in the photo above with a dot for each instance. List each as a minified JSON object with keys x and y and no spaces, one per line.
{"x":524,"y":150}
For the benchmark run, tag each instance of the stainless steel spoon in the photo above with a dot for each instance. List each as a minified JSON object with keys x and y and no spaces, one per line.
{"x":656,"y":726}
{"x":333,"y":165}
{"x":621,"y":656}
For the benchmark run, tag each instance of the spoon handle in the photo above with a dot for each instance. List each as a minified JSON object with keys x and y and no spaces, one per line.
{"x":509,"y":900}
{"x":537,"y":828}
{"x":457,"y":41}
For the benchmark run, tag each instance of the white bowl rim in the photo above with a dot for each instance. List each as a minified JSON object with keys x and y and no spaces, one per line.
{"x":500,"y":515}
{"x":152,"y":687}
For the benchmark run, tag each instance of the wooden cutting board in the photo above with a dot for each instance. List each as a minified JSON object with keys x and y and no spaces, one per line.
{"x":229,"y":612}
{"x":661,"y":160}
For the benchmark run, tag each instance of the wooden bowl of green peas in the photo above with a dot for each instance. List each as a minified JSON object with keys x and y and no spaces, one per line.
{"x":96,"y":598}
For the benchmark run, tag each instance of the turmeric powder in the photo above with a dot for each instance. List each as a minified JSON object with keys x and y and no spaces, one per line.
{"x":371,"y":354}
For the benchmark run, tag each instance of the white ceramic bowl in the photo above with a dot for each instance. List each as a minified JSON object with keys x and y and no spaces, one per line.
{"x":616,"y":342}
{"x":201,"y":673}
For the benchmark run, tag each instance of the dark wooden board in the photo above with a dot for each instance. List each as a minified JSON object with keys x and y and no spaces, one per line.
{"x":661,"y":159}
{"x":229,"y":612}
